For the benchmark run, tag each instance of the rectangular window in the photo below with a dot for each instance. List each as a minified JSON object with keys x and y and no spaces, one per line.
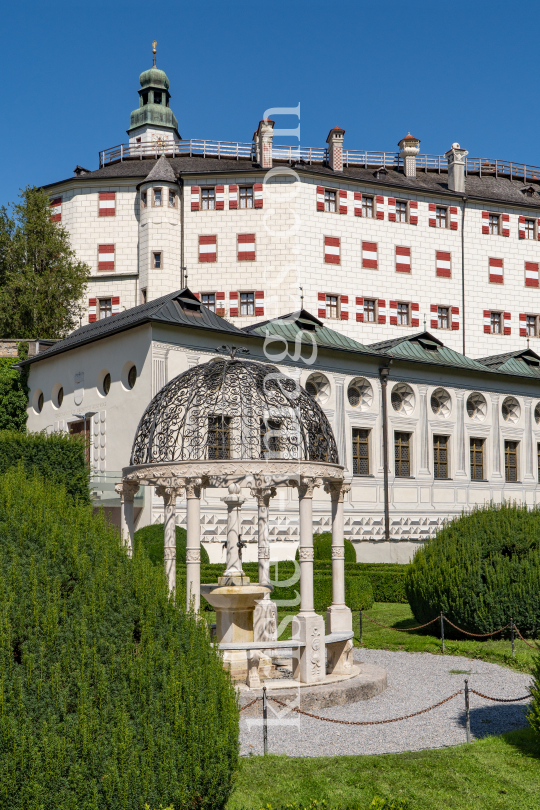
{"x":440,"y":456}
{"x":270,"y":438}
{"x":330,"y":201}
{"x":219,"y":437}
{"x":368,"y":207}
{"x":496,"y":269}
{"x":172,"y":198}
{"x":209,"y":301}
{"x":143,"y":295}
{"x":477,"y":459}
{"x":401,"y":211}
{"x":246,"y":196}
{"x":247,"y":303}
{"x":207,"y":248}
{"x":332,"y":306}
{"x":532,"y":326}
{"x":403,"y":313}
{"x":360,"y":451}
{"x":369,"y":255}
{"x":157,"y":261}
{"x":246,"y":247}
{"x":157,"y":197}
{"x":402,"y":454}
{"x":105,"y":308}
{"x":107,"y":204}
{"x":443,"y":317}
{"x":144,"y":199}
{"x":208,"y":199}
{"x":370,"y":310}
{"x":403,"y":259}
{"x":441,"y":216}
{"x":106,"y":255}
{"x":496,"y":323}
{"x":530,"y":228}
{"x":494,"y":224}
{"x":511,"y":461}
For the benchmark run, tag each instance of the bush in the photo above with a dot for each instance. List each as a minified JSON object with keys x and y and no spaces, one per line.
{"x":533,"y":711}
{"x":322,"y":548}
{"x":54,"y":456}
{"x":152,"y":538}
{"x":480,"y":570}
{"x":111,"y":696}
{"x":13,"y":396}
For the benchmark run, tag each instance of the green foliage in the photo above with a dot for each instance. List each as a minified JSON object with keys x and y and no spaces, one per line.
{"x":152,"y":538}
{"x":481,"y":569}
{"x":358,"y":593}
{"x":13,"y":396}
{"x":41,"y":281}
{"x":378,"y":803}
{"x":55,"y":456}
{"x":111,"y":697}
{"x":322,"y":548}
{"x":533,"y":712}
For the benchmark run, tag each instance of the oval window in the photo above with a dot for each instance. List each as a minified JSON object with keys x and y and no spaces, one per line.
{"x":60,"y":397}
{"x":107,"y":383}
{"x":40,"y":403}
{"x":132,"y":376}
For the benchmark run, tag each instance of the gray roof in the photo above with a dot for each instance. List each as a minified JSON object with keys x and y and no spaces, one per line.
{"x":415,"y":347}
{"x":523,"y":362}
{"x":162,"y":171}
{"x":487,"y":187}
{"x":180,"y":308}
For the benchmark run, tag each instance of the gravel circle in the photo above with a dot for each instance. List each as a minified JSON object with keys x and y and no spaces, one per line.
{"x":415,"y":681}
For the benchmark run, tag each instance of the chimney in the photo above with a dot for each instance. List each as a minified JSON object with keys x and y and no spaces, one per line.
{"x":456,"y":168}
{"x":335,"y":149}
{"x":409,"y":147}
{"x":263,"y":138}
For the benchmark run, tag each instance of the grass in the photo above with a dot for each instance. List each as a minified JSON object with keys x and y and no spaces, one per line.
{"x":496,"y":773}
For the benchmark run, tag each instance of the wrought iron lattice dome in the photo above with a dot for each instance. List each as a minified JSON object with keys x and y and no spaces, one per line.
{"x":233,"y":409}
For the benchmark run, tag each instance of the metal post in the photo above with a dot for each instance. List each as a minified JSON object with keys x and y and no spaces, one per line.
{"x":467,"y":712}
{"x":512,"y":637}
{"x":361,"y":641}
{"x":265,"y":722}
{"x":442,"y":630}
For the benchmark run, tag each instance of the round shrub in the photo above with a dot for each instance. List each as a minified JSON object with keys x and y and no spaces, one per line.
{"x":152,"y":538}
{"x":322,"y":548}
{"x":112,"y":697}
{"x":481,"y":569}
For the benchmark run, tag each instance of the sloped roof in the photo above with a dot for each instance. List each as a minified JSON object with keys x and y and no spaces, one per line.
{"x":524,"y":362}
{"x":180,"y":308}
{"x":162,"y":171}
{"x":414,"y":347}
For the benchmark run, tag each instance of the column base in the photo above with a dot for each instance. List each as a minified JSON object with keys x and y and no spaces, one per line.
{"x":338,"y":618}
{"x":309,"y":664}
{"x":340,"y":657}
{"x":265,"y":629}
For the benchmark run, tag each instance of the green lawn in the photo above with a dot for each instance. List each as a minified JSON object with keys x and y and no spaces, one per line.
{"x":496,"y":773}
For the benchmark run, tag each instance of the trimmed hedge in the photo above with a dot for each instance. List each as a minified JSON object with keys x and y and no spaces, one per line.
{"x":54,"y":456}
{"x":152,"y":538}
{"x":481,"y":569}
{"x":533,"y":713}
{"x":322,"y":548}
{"x":112,"y":698}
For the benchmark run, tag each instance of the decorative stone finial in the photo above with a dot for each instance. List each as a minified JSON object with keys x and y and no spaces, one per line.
{"x":154,"y":44}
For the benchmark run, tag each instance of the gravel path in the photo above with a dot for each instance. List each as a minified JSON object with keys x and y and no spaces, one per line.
{"x":415,"y":681}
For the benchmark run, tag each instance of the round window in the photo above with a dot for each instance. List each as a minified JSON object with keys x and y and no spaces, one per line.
{"x":318,"y":387}
{"x":107,"y":383}
{"x":39,"y":405}
{"x":441,"y":404}
{"x":477,"y":407}
{"x":312,"y":389}
{"x":360,"y":394}
{"x":537,"y":413}
{"x":60,"y":397}
{"x":402,"y":398}
{"x":132,"y":376}
{"x":510,"y":410}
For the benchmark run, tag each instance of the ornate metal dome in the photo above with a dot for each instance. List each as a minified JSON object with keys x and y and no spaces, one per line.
{"x":233,"y":409}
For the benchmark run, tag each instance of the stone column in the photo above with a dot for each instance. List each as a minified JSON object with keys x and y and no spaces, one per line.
{"x":193,"y":544}
{"x":169,"y":495}
{"x":127,"y":491}
{"x":265,"y":613}
{"x":234,"y":574}
{"x":338,"y":615}
{"x":308,"y":627}
{"x":496,"y":438}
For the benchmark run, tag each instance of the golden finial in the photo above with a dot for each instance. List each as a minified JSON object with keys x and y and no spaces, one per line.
{"x":154,"y":43}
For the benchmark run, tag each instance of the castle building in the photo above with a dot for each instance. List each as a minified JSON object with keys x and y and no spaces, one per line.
{"x":415,"y":277}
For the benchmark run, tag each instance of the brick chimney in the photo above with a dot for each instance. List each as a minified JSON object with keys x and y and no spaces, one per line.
{"x":263,"y":138}
{"x":335,"y":149}
{"x":456,"y":168}
{"x":409,"y":146}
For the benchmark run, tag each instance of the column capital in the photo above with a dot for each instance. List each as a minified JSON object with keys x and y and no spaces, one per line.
{"x":193,"y":487}
{"x":262,"y":494}
{"x":169,"y":492}
{"x":307,"y":485}
{"x":337,"y":489}
{"x":127,"y":490}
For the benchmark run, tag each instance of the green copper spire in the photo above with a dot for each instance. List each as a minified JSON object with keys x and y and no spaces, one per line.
{"x":154,"y":97}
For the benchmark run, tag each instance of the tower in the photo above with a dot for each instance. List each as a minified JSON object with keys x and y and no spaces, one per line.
{"x":153,"y":122}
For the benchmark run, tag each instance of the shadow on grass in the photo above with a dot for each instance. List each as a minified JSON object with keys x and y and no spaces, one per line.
{"x":525,"y":741}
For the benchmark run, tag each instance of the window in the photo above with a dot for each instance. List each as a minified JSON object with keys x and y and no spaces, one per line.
{"x":332,"y":306}
{"x":270,"y":438}
{"x":329,"y":200}
{"x":144,"y":199}
{"x":209,"y":300}
{"x":401,"y":211}
{"x":496,"y":323}
{"x":157,"y":97}
{"x":172,"y":198}
{"x":532,"y":326}
{"x":246,"y":196}
{"x":510,"y":461}
{"x":443,"y":317}
{"x":208,"y":198}
{"x":143,"y":295}
{"x":529,"y":228}
{"x":132,"y":377}
{"x":493,"y":223}
{"x":157,"y":261}
{"x":441,"y":216}
{"x":106,"y":384}
{"x":402,"y":453}
{"x":40,"y":401}
{"x":477,"y":459}
{"x":247,"y":303}
{"x":219,"y":437}
{"x":403,"y":313}
{"x":105,"y":308}
{"x":145,"y":98}
{"x":157,"y":197}
{"x":370,"y":310}
{"x":440,"y":456}
{"x":367,"y":207}
{"x":360,"y":451}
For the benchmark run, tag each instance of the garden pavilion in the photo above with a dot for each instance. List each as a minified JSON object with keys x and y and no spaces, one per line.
{"x":234,"y":422}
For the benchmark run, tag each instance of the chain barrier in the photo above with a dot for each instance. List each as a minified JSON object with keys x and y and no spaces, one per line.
{"x":532,"y":646}
{"x":476,"y":635}
{"x":401,"y":629}
{"x":243,"y":708}
{"x":499,"y":700}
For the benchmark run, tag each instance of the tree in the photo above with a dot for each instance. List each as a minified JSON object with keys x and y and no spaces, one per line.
{"x":13,"y":396}
{"x":41,"y":280}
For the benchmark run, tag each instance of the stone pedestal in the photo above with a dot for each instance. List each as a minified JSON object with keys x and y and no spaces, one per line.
{"x":339,"y":659}
{"x":265,"y":629}
{"x":309,"y":661}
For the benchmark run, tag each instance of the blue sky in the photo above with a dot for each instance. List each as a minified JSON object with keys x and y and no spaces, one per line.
{"x":445,"y":72}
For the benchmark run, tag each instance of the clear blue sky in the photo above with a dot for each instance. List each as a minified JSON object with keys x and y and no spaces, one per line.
{"x":446,"y":72}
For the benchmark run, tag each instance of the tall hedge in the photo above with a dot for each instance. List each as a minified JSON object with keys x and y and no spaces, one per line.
{"x":111,"y":697}
{"x":481,"y":569}
{"x":322,"y":548}
{"x":54,"y":456}
{"x":152,"y":538}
